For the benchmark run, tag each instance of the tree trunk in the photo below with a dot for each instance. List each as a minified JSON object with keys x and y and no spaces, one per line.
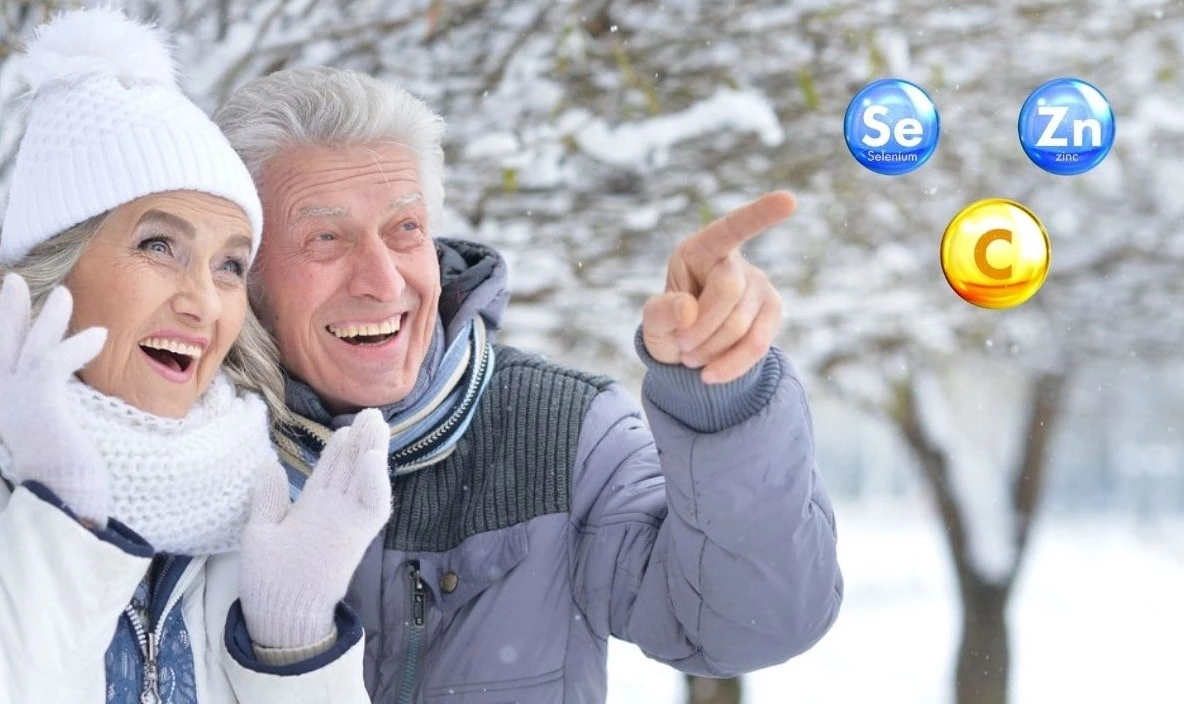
{"x":983,"y":655}
{"x":705,"y":690}
{"x":981,"y":674}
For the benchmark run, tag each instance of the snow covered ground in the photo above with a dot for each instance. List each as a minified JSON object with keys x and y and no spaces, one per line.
{"x":1098,"y":616}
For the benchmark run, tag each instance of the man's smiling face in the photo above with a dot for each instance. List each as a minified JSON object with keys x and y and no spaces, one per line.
{"x":348,"y":271}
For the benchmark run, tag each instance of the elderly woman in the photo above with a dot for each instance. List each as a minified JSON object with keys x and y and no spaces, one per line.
{"x":149,"y":551}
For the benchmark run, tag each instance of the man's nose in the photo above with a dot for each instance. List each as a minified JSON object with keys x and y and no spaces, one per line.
{"x":375,"y":275}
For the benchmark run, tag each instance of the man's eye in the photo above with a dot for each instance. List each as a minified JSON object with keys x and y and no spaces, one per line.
{"x":325,"y":237}
{"x":410,"y":226}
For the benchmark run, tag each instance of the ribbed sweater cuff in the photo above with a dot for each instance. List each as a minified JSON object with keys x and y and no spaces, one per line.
{"x":277,"y":657}
{"x":347,"y":625}
{"x":709,"y":408}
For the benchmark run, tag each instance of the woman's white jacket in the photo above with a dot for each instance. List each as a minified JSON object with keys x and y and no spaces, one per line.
{"x":64,"y":588}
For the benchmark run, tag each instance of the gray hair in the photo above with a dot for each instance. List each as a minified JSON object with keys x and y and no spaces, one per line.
{"x":252,"y":363}
{"x":317,"y":105}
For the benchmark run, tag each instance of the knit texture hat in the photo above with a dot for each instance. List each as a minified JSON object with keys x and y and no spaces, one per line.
{"x":107,"y":124}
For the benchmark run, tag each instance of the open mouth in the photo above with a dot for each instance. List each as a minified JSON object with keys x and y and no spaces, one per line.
{"x":367,"y":335}
{"x":171,"y":354}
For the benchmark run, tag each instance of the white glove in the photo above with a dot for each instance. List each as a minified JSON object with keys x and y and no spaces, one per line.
{"x":36,"y":362}
{"x":298,"y":559}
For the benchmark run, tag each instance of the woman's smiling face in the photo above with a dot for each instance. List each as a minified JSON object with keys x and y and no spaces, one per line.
{"x":166,"y":275}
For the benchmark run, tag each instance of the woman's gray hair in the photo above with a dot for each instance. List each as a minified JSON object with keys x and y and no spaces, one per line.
{"x":317,"y":105}
{"x":252,"y":362}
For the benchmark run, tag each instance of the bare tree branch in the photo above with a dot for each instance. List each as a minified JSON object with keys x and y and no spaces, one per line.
{"x":935,"y":466}
{"x":1047,"y":404}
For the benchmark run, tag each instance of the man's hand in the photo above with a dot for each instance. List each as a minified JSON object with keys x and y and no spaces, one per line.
{"x":718,"y":311}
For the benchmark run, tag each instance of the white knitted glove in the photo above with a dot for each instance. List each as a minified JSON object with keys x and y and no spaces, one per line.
{"x":298,"y":559}
{"x":36,"y":363}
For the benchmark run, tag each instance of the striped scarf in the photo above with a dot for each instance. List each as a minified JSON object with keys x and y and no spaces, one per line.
{"x":421,"y":435}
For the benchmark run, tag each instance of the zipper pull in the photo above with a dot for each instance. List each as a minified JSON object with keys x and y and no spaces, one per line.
{"x":151,"y":693}
{"x":418,"y":597}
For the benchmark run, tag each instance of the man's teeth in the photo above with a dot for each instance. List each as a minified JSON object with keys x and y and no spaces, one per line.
{"x":174,"y":346}
{"x":384,"y":328}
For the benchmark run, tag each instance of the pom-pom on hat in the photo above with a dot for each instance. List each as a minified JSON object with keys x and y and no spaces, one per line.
{"x":108,"y":124}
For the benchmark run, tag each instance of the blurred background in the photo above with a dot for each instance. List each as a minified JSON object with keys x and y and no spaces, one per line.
{"x":1009,"y":484}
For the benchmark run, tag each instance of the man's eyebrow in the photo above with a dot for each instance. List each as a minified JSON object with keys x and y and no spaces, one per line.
{"x":328,"y":211}
{"x":404,"y":201}
{"x":333,"y":211}
{"x":174,"y":222}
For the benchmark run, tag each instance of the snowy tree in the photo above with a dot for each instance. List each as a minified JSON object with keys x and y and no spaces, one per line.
{"x":587,"y":138}
{"x":976,"y":394}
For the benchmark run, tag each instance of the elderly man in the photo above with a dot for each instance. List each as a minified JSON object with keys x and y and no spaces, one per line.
{"x":535,"y":514}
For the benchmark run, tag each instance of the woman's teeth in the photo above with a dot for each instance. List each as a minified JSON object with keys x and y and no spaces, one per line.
{"x":174,"y":346}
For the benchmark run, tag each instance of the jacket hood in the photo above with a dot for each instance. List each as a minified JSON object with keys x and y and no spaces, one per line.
{"x":473,"y":281}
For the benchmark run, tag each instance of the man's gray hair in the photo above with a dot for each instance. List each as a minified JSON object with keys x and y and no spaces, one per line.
{"x":316,"y":105}
{"x":252,"y":363}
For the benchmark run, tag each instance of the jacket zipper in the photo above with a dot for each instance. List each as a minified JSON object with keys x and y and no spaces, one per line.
{"x":418,"y":619}
{"x":148,"y":630}
{"x":150,"y":693}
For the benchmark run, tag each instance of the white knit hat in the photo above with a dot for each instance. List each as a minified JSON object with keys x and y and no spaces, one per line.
{"x":108,"y":124}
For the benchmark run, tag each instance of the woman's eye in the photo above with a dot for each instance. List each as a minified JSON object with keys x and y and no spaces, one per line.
{"x":325,"y":237}
{"x":159,"y":245}
{"x":235,"y":266}
{"x":410,"y":226}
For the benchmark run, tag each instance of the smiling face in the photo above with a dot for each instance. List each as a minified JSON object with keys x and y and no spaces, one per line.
{"x":348,"y":271}
{"x":165,"y":275}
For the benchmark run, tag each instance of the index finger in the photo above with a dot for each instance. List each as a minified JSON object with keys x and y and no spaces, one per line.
{"x":724,"y":235}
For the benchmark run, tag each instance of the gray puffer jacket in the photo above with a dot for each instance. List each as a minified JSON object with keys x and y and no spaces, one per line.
{"x":698,"y":530}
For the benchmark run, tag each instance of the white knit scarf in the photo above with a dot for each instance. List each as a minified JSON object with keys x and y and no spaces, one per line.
{"x":183,"y":484}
